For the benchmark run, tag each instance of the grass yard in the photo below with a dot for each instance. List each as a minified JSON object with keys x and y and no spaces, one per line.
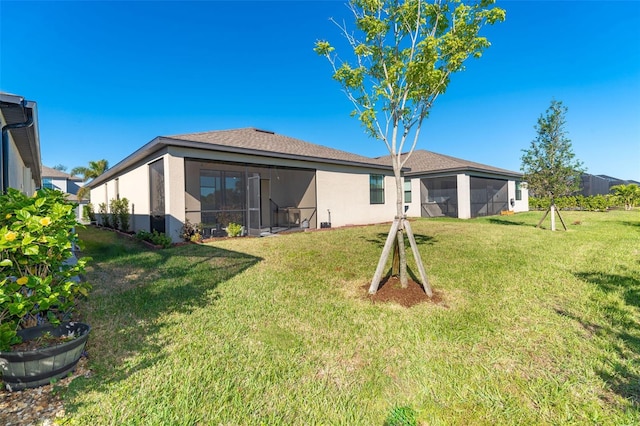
{"x":534,"y":327}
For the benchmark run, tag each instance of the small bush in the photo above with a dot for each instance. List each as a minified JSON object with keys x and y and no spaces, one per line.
{"x":155,"y":237}
{"x":234,"y":229}
{"x":88,"y":213}
{"x":37,"y":236}
{"x":122,"y":212}
{"x":114,"y":217}
{"x":189,"y":230}
{"x":104,"y":216}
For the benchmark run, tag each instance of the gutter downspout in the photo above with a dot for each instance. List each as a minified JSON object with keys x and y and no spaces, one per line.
{"x":4,"y":152}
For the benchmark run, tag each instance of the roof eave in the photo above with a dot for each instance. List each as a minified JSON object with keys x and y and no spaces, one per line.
{"x":467,"y":169}
{"x":270,"y":154}
{"x":26,"y":139}
{"x":162,"y":141}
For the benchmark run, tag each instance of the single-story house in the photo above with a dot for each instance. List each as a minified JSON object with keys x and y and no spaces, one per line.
{"x":64,"y":182}
{"x":264,"y":181}
{"x":20,"y":166}
{"x":449,"y":186}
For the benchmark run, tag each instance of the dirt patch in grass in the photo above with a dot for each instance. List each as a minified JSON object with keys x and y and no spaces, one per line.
{"x":390,"y":291}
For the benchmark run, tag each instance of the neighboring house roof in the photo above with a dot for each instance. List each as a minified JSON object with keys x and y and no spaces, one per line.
{"x":14,"y":110}
{"x":246,"y":141}
{"x":48,"y":172}
{"x":616,"y":181}
{"x":423,"y":162}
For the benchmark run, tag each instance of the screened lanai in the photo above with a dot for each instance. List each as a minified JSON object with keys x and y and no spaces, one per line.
{"x":488,"y":196}
{"x":263,"y":199}
{"x":442,"y":196}
{"x":439,"y":196}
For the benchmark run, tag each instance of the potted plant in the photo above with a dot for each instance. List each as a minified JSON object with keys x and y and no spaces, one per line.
{"x":39,"y":287}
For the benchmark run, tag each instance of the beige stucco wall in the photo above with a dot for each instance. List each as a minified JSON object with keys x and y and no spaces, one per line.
{"x":133,"y":185}
{"x":415,"y":205}
{"x":345,"y":193}
{"x":343,"y":190}
{"x":174,"y":191}
{"x":20,"y":176}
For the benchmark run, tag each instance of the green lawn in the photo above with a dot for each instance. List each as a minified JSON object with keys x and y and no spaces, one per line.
{"x":536,"y":327}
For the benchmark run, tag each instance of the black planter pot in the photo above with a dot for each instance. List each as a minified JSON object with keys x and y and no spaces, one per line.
{"x":30,"y":369}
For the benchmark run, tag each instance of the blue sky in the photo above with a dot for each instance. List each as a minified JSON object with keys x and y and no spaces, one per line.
{"x":108,"y":77}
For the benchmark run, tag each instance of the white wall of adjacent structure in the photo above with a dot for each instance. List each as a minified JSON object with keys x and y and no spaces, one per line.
{"x":521,"y":205}
{"x":133,"y":185}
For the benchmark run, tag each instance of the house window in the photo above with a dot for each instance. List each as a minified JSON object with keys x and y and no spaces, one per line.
{"x":376,"y":189}
{"x":47,"y":183}
{"x":518,"y":191}
{"x":407,"y":190}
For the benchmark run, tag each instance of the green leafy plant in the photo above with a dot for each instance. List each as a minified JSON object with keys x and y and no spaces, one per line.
{"x":234,"y":229}
{"x":577,"y":202}
{"x":104,"y":216}
{"x":155,"y":237}
{"x":120,"y":214}
{"x":114,"y":216}
{"x":37,"y":281}
{"x":88,"y":213}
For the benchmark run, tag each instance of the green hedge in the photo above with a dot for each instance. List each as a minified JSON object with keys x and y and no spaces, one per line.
{"x":592,"y":203}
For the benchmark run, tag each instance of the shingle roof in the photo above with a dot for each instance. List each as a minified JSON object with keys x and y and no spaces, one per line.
{"x":48,"y":172}
{"x":258,"y":141}
{"x":426,"y":162}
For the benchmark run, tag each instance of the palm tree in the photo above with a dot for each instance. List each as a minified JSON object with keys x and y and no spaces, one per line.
{"x":629,"y":195}
{"x":95,"y":169}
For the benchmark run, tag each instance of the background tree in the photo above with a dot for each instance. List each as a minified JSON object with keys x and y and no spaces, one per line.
{"x":549,"y":165}
{"x":95,"y":169}
{"x":629,"y":195}
{"x":402,"y":55}
{"x":60,"y":167}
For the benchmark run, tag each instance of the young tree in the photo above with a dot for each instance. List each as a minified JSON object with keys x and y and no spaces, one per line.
{"x":95,"y":169}
{"x":629,"y":195}
{"x":549,"y":165}
{"x":402,"y":54}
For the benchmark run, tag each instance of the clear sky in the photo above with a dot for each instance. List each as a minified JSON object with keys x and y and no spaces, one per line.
{"x":108,"y":77}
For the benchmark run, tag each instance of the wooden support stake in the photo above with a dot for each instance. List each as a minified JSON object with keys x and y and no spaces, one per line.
{"x":395,"y":264}
{"x":543,"y":218}
{"x":561,"y":221}
{"x":416,"y":255}
{"x":375,"y":282}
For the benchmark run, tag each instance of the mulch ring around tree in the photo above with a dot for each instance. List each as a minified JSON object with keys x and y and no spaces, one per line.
{"x":390,"y":291}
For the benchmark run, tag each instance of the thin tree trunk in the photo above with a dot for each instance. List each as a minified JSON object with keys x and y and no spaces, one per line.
{"x":553,"y":217}
{"x":402,"y":252}
{"x":404,"y":283}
